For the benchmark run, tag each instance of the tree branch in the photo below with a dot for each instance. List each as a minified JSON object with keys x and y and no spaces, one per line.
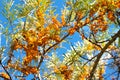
{"x":101,"y":53}
{"x":4,"y":77}
{"x":41,"y":60}
{"x":6,"y":71}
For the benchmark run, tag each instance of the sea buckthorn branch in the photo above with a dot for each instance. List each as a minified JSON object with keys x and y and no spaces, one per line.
{"x":90,"y":40}
{"x":77,"y":53}
{"x":101,"y":53}
{"x":4,"y":77}
{"x":41,"y":59}
{"x":6,"y":72}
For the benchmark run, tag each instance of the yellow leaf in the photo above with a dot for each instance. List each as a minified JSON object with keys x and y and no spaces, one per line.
{"x":89,"y":46}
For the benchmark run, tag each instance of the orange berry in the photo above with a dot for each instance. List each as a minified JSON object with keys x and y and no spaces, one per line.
{"x":63,"y":20}
{"x":55,"y":21}
{"x":111,"y":16}
{"x":87,"y":20}
{"x":71,"y":31}
{"x":3,"y":74}
{"x":57,"y":38}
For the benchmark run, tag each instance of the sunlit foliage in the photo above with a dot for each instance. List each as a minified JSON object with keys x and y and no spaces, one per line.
{"x":34,"y":38}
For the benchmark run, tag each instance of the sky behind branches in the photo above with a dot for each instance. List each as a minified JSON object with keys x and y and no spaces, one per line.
{"x":59,"y":5}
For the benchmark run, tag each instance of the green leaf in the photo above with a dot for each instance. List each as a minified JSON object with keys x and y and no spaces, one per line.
{"x":73,"y":16}
{"x":119,"y":42}
{"x":59,"y":76}
{"x":25,"y":11}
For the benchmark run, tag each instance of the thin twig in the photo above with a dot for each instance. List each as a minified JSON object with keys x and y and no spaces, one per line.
{"x":101,"y":53}
{"x":90,"y":60}
{"x":6,"y":71}
{"x":89,"y":39}
{"x":94,"y":37}
{"x":41,"y":59}
{"x":78,"y":52}
{"x":110,"y":74}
